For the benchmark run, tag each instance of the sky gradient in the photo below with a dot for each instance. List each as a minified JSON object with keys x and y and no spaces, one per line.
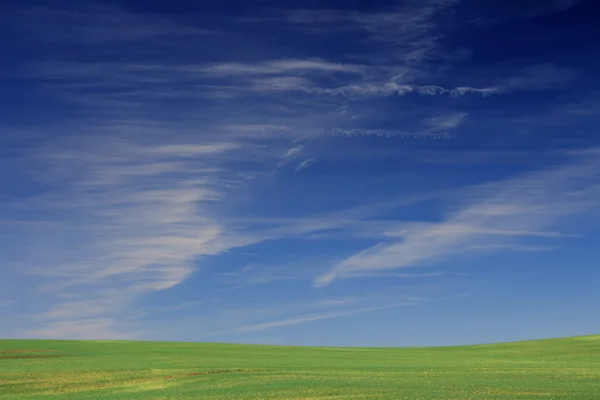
{"x":383,"y":173}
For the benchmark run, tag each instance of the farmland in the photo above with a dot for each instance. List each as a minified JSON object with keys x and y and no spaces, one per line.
{"x":566,"y":369}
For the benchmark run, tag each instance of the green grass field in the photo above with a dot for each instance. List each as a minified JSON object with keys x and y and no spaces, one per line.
{"x":566,"y":369}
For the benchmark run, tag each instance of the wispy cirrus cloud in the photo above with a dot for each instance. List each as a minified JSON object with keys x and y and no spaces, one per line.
{"x":445,"y":122}
{"x":397,"y":275}
{"x":276,"y":67}
{"x":291,"y":154}
{"x":531,"y":78}
{"x":408,"y":30}
{"x":493,"y":214}
{"x":135,"y":222}
{"x":359,"y":90}
{"x":134,"y":216}
{"x":337,"y":302}
{"x":121,"y":84}
{"x":305,"y":164}
{"x":326,"y":316}
{"x":305,"y":319}
{"x":254,"y":275}
{"x":389,"y":133}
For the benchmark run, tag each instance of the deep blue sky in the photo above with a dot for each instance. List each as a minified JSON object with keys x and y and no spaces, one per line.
{"x":382,"y":173}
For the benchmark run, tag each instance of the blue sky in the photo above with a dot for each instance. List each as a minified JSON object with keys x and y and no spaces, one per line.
{"x":384,"y":173}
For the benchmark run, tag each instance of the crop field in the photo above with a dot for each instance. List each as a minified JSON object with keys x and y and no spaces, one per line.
{"x":556,"y":369}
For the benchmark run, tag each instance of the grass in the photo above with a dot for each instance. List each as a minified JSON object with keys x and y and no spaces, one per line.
{"x":565,"y":369}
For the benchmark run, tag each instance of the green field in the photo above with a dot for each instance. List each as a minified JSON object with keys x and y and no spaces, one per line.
{"x":547,"y":369}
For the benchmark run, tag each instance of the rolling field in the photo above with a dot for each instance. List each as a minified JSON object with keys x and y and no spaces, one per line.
{"x":565,"y":369}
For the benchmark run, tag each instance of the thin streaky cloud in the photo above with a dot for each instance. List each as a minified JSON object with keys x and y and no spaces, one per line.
{"x":257,"y":281}
{"x":326,"y":316}
{"x":305,"y":164}
{"x":336,"y":302}
{"x":277,"y":67}
{"x":292,"y":153}
{"x":142,"y":237}
{"x":506,"y":208}
{"x":304,"y":320}
{"x":408,"y":30}
{"x":411,"y":228}
{"x":397,"y":275}
{"x":445,"y":122}
{"x":191,"y":150}
{"x":389,"y":133}
{"x":362,"y":90}
{"x":486,"y":248}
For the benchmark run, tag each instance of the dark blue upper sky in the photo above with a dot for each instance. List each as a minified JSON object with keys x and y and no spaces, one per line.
{"x":317,"y":172}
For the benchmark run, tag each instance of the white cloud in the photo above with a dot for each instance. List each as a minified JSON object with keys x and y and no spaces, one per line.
{"x":279,"y":83}
{"x":278,"y":67}
{"x":408,"y":29}
{"x":412,"y":228}
{"x":305,"y":164}
{"x":446,"y":122}
{"x":190,"y":149}
{"x":257,"y":281}
{"x":379,"y":89}
{"x":396,"y":275}
{"x":389,"y":133}
{"x":336,"y":302}
{"x":134,"y":215}
{"x":257,"y":275}
{"x":537,"y":77}
{"x":306,"y":319}
{"x":533,"y":78}
{"x":325,"y":316}
{"x":131,"y":218}
{"x":511,"y":209}
{"x":293,"y":152}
